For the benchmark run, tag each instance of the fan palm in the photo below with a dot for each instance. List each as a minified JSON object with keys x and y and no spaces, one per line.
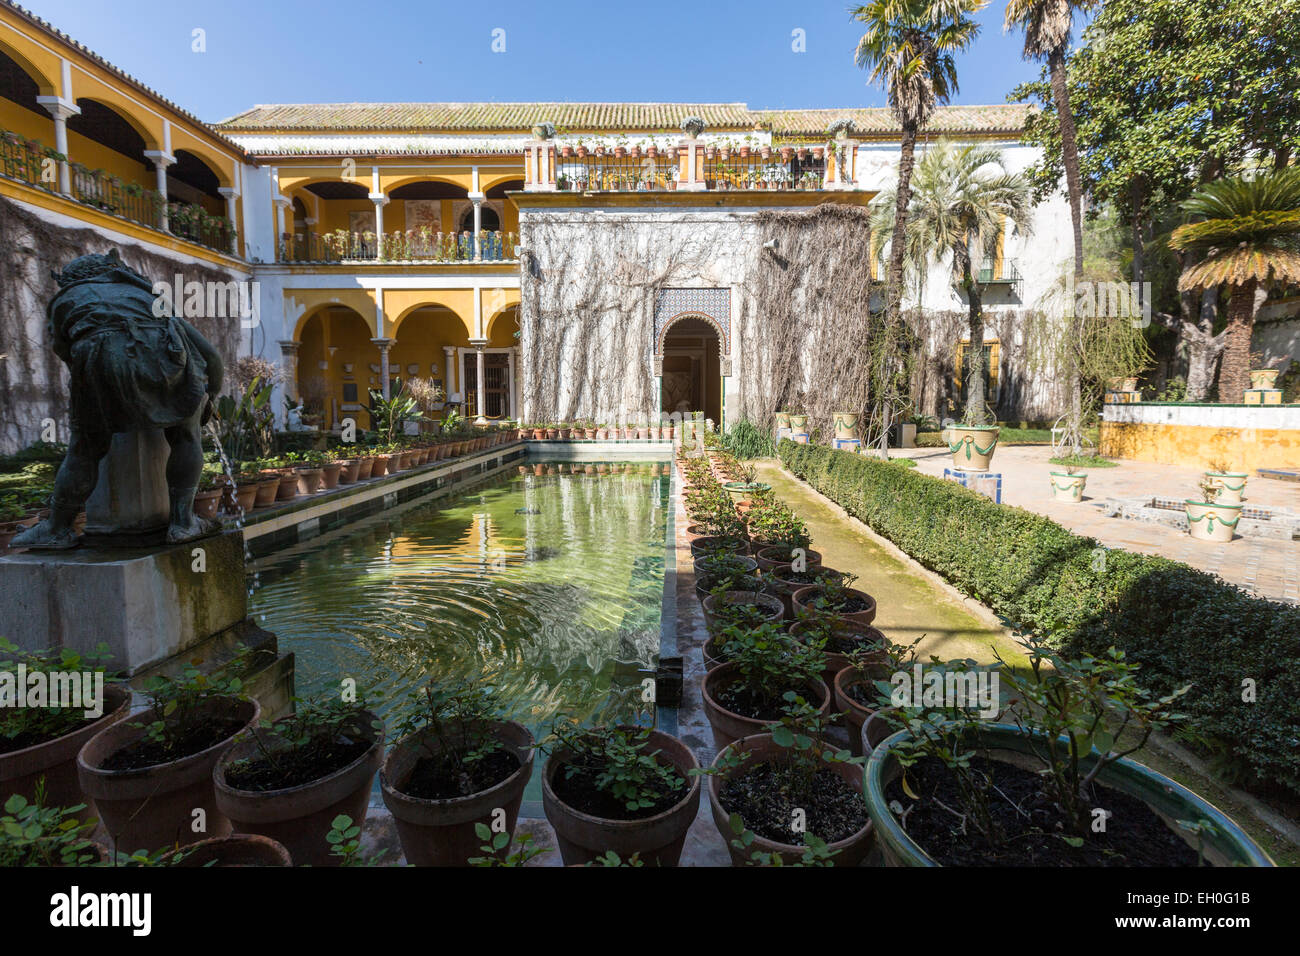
{"x":1249,"y":230}
{"x":962,"y":199}
{"x":909,"y":48}
{"x":1047,"y":36}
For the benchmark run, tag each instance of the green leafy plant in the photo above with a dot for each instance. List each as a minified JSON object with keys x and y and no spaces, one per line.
{"x":495,"y":843}
{"x":35,"y":835}
{"x":22,"y":727}
{"x":344,"y":839}
{"x":616,"y":760}
{"x":180,"y":705}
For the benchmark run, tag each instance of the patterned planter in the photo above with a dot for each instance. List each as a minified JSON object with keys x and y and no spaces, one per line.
{"x":1067,"y":487}
{"x":972,"y":446}
{"x":846,"y":425}
{"x":1231,"y":486}
{"x":799,"y":423}
{"x":1263,"y":377}
{"x":782,"y":421}
{"x":1211,"y":522}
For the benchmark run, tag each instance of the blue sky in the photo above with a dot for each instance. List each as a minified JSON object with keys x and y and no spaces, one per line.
{"x":289,"y":51}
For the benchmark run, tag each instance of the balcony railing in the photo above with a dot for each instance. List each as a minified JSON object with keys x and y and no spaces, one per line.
{"x":622,"y":170}
{"x":413,"y":245}
{"x":33,"y":163}
{"x":990,"y":272}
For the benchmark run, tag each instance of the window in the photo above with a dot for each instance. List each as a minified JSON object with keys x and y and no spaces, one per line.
{"x":991,"y":356}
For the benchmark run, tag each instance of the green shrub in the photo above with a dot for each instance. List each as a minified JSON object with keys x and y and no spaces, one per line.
{"x":930,"y":440}
{"x":1182,"y":625}
{"x":745,"y":440}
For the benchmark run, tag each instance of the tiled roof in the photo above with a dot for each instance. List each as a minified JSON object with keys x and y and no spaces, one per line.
{"x":1000,"y":118}
{"x":89,"y":54}
{"x":648,"y":117}
{"x":487,"y":116}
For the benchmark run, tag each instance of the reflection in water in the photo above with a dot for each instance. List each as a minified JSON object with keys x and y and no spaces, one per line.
{"x":547,"y":586}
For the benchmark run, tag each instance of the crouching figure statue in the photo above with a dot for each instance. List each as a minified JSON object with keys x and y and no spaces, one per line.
{"x":130,"y":370}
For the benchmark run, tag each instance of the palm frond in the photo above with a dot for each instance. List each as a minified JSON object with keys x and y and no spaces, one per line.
{"x":1265,"y":264}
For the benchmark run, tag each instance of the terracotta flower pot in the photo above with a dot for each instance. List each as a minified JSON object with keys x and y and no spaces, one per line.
{"x":242,"y":849}
{"x":330,"y":474}
{"x":56,"y":760}
{"x":804,"y":596}
{"x":309,"y":480}
{"x":782,"y":585}
{"x":365,"y":467}
{"x":267,"y":490}
{"x":836,"y":659}
{"x":856,"y":715}
{"x":441,"y":832}
{"x":710,"y":543}
{"x":245,"y":497}
{"x":300,"y":817}
{"x":852,"y":850}
{"x":289,"y":486}
{"x":350,"y":471}
{"x":773,"y":556}
{"x":378,"y":466}
{"x":206,"y":502}
{"x":727,"y":725}
{"x":154,"y":807}
{"x":770,"y":605}
{"x":658,"y":839}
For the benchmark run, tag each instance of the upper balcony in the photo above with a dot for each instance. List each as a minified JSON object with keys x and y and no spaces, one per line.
{"x":415,"y":246}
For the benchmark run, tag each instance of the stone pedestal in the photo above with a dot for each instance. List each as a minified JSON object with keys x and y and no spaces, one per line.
{"x":146,"y":605}
{"x":131,"y":496}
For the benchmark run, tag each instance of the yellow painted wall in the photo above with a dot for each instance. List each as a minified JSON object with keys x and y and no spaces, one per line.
{"x":310,"y":301}
{"x":348,"y":333}
{"x":400,"y":302}
{"x":1198,"y":447}
{"x":501,"y":330}
{"x":420,"y":340}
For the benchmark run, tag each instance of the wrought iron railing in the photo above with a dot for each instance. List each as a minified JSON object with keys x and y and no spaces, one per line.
{"x":1005,"y":270}
{"x":723,"y":168}
{"x":412,"y":245}
{"x":31,"y":162}
{"x":764,"y":168}
{"x":617,"y":170}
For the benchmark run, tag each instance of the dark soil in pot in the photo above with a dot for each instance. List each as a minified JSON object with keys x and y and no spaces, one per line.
{"x":143,"y":753}
{"x":1135,"y":835}
{"x":580,"y":793}
{"x":435,"y":778}
{"x":835,"y":812}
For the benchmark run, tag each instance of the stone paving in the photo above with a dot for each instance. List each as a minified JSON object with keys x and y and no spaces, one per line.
{"x":1268,"y":568}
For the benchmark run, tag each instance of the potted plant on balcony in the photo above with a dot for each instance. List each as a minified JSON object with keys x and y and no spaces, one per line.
{"x":1062,"y":755}
{"x":1209,"y":520}
{"x":788,"y":797}
{"x":149,"y":775}
{"x":288,"y":780}
{"x":620,"y":787}
{"x":457,"y":763}
{"x":749,"y":691}
{"x":39,"y":744}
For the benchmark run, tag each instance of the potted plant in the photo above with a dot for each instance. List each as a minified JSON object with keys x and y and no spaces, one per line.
{"x":1229,"y":486}
{"x":721,"y":605}
{"x":236,"y":850}
{"x":311,"y":472}
{"x":838,"y":596}
{"x":623,"y":788}
{"x":39,"y":744}
{"x":1263,"y":378}
{"x":1062,"y":755}
{"x":749,"y":691}
{"x":972,"y":446}
{"x":859,"y":695}
{"x":149,"y":775}
{"x":34,"y":833}
{"x":456,"y":764}
{"x":1207,"y":519}
{"x":784,"y":580}
{"x":839,"y":640}
{"x":1068,"y":485}
{"x":786,"y":798}
{"x":288,"y":780}
{"x":772,"y":556}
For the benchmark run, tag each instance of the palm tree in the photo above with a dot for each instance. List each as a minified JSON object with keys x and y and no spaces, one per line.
{"x":1047,"y":36}
{"x":1249,"y":230}
{"x":963,"y":197}
{"x":909,"y":48}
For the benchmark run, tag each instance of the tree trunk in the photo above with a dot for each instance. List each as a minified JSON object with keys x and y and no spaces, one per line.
{"x":1069,"y":150}
{"x":973,"y":373}
{"x":1234,"y":373}
{"x":906,"y":159}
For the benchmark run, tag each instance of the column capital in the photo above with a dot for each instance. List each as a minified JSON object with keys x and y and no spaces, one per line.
{"x":160,"y":158}
{"x":58,"y":107}
{"x":288,"y":346}
{"x":383,"y":344}
{"x":479,"y":344}
{"x":230,"y":192}
{"x":379,"y":199}
{"x":284,"y":202}
{"x":476,"y":197}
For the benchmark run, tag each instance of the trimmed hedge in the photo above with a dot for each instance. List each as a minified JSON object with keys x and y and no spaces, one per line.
{"x":1182,"y":625}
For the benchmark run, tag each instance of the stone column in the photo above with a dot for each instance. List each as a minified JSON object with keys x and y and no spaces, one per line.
{"x":449,"y":383}
{"x":282,"y":252}
{"x":61,"y":109}
{"x":380,"y":201}
{"x":232,"y":195}
{"x":383,"y":345}
{"x":289,"y":361}
{"x":477,"y":199}
{"x":161,"y":160}
{"x":510,"y":373}
{"x":480,"y":384}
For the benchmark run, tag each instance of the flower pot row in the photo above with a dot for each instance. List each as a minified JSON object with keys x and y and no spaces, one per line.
{"x":596,"y":432}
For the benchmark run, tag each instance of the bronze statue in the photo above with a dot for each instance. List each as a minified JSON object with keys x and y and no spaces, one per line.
{"x":130,"y":370}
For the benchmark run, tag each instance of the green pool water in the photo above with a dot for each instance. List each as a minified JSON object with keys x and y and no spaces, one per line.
{"x":546,"y":586}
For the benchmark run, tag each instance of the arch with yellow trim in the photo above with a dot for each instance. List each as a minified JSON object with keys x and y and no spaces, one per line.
{"x":45,"y":82}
